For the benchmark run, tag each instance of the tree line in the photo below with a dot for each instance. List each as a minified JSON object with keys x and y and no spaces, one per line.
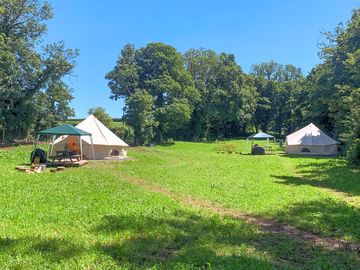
{"x":199,"y":95}
{"x":202,"y":95}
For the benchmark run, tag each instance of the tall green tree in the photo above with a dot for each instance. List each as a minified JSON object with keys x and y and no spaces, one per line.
{"x":227,"y":96}
{"x":124,"y":78}
{"x":277,"y":86}
{"x":140,"y":116}
{"x":333,"y":85}
{"x":158,"y":70}
{"x":263,"y":114}
{"x":204,"y":67}
{"x":29,"y":75}
{"x":101,"y":114}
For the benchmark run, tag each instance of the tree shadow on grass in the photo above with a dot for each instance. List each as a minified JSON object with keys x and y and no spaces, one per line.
{"x":57,"y":249}
{"x":200,"y":242}
{"x":335,"y":174}
{"x":299,"y":156}
{"x":50,"y":249}
{"x":328,"y":217}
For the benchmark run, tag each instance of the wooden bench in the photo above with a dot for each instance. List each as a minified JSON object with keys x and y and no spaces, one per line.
{"x":65,"y":155}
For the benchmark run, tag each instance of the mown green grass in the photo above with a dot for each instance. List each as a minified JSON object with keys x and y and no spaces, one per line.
{"x":92,"y":218}
{"x":299,"y":190}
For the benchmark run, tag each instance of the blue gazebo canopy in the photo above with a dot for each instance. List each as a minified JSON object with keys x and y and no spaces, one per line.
{"x":261,"y":135}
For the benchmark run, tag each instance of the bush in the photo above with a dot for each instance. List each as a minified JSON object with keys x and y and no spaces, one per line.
{"x":169,"y":141}
{"x":354,"y":151}
{"x":123,"y":131}
{"x":228,"y":147}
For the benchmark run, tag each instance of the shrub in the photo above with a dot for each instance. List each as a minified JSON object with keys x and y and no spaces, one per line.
{"x":354,"y":151}
{"x":169,"y":141}
{"x":123,"y":131}
{"x":228,"y":147}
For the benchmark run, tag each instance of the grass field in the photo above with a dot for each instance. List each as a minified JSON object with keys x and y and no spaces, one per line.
{"x":184,"y":206}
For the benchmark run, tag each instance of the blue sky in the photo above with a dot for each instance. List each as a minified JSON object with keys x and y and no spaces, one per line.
{"x":253,"y":30}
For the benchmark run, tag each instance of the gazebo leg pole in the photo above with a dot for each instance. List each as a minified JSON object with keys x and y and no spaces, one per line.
{"x":52,"y":145}
{"x":36,"y":141}
{"x":81,"y":150}
{"x":35,"y":145}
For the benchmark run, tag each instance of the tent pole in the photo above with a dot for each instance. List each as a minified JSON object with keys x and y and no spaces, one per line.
{"x":80,"y":142}
{"x":52,"y":145}
{"x":92,"y":147}
{"x":36,"y":141}
{"x":35,"y":145}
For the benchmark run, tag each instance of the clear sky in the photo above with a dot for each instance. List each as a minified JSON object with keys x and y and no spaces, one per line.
{"x":253,"y":30}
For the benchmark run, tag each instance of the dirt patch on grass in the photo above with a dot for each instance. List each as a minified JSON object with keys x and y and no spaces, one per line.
{"x":148,"y":149}
{"x":7,"y":148}
{"x":266,"y":225}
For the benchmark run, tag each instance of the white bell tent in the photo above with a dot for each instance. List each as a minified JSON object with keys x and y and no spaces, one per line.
{"x":105,"y":142}
{"x":78,"y":135}
{"x":310,"y":140}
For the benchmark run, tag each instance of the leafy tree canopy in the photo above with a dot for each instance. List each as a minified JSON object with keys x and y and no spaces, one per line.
{"x":100,"y":113}
{"x":32,"y":92}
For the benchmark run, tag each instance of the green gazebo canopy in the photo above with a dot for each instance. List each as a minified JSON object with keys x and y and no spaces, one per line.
{"x":64,"y":130}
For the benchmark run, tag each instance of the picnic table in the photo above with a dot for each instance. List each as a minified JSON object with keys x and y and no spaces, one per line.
{"x":60,"y":155}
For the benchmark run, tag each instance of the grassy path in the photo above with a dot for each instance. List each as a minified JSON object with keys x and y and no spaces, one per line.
{"x":267,"y":225}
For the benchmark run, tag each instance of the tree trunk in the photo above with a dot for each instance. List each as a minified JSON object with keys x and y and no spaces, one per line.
{"x":137,"y":137}
{"x":159,"y":135}
{"x":244,"y":130}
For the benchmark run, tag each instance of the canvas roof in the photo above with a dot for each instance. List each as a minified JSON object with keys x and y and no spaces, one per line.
{"x":309,"y":135}
{"x":64,"y":130}
{"x":261,"y":135}
{"x":101,"y":135}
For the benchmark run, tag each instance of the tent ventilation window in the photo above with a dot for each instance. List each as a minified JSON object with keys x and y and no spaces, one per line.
{"x":305,"y":150}
{"x":114,"y":152}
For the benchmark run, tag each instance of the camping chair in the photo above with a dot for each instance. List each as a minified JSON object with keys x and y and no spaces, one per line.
{"x":257,"y":150}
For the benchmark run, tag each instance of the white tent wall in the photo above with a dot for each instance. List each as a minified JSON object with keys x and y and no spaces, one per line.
{"x":59,"y":144}
{"x":316,"y":150}
{"x":100,"y":151}
{"x":310,"y":140}
{"x":104,"y":140}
